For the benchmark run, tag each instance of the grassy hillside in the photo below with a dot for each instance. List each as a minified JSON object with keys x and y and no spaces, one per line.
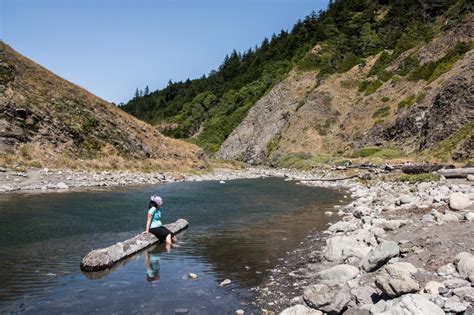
{"x":48,"y":121}
{"x":208,"y":109}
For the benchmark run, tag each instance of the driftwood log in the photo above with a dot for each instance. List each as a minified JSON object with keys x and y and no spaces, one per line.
{"x":457,"y":172}
{"x":323,"y":179}
{"x":100,"y":259}
{"x":422,"y":168}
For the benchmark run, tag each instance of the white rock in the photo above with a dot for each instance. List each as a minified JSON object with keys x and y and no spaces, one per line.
{"x":432,"y":287}
{"x":221,"y":182}
{"x":340,"y":248}
{"x":397,"y":279}
{"x":339,"y":273}
{"x":469,"y":216}
{"x":361,"y":211}
{"x":459,"y":201}
{"x":193,"y":276}
{"x":344,"y":226}
{"x":406,"y":199}
{"x":470,"y":178}
{"x":465,"y":265}
{"x":455,"y":283}
{"x":465,"y":293}
{"x":446,"y":270}
{"x":449,"y":216}
{"x":327,"y":298}
{"x":389,"y":225}
{"x":300,"y":310}
{"x":422,"y":187}
{"x":226,"y":282}
{"x":364,"y":294}
{"x":413,"y":304}
{"x":454,"y":305}
{"x":380,"y":255}
{"x":62,"y":186}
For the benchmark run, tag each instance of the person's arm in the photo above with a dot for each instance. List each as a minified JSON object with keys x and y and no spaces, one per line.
{"x":148,"y":222}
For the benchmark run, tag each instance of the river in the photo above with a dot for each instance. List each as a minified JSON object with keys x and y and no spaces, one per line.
{"x":238,"y":231}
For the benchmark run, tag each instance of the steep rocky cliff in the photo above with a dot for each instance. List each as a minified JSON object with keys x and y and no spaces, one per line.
{"x":418,"y":103}
{"x":47,"y":121}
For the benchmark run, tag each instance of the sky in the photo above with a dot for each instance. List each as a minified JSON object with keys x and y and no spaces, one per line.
{"x":112,"y":47}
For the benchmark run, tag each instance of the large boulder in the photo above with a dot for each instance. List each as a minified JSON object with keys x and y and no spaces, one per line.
{"x":340,"y":248}
{"x":380,"y":255}
{"x":459,"y":201}
{"x":329,"y":298}
{"x":300,"y":310}
{"x":413,"y":304}
{"x":397,"y":279}
{"x":339,"y":273}
{"x":465,"y":265}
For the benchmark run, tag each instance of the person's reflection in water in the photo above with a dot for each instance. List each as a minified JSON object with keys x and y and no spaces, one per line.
{"x":152,"y":264}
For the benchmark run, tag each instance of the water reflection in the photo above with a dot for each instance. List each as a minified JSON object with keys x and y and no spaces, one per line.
{"x":152,"y":263}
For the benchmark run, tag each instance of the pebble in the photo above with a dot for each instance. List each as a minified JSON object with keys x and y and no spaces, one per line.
{"x":226,"y":282}
{"x":193,"y":276}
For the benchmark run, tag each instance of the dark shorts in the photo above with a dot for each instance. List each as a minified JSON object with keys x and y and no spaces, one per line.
{"x":161,"y":233}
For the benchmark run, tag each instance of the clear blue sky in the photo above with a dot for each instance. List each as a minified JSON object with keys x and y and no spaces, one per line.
{"x":111,"y":47}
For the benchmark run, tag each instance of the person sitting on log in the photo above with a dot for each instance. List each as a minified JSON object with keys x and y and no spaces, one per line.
{"x":154,"y":225}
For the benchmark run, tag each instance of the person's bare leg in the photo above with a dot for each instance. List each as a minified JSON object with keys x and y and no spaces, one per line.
{"x":168,"y":239}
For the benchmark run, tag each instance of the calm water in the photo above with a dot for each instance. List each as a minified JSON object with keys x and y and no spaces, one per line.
{"x":238,"y":231}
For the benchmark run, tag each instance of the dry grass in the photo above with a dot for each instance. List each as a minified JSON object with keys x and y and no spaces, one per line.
{"x":85,"y":128}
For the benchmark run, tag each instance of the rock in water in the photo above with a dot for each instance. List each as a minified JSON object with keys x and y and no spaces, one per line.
{"x":193,"y":276}
{"x":380,"y":255}
{"x":300,"y":310}
{"x":225,"y":282}
{"x":465,"y":265}
{"x":327,"y":298}
{"x":397,"y":279}
{"x":459,"y":201}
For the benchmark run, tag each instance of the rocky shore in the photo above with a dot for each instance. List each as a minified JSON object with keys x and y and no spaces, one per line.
{"x":398,"y":248}
{"x":64,"y":180}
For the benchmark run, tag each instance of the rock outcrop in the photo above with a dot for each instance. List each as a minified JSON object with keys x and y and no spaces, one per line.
{"x":265,"y":120}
